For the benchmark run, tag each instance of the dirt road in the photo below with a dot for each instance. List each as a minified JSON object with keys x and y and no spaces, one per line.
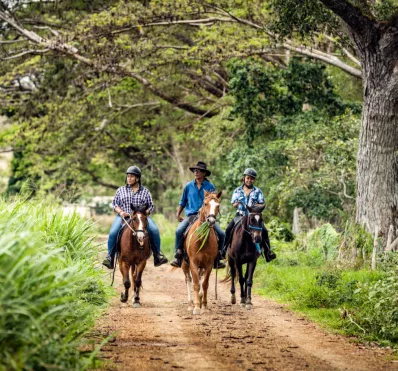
{"x":163,"y":335}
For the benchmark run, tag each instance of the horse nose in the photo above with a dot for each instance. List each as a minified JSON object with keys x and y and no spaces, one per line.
{"x":140,"y":238}
{"x":211,"y":220}
{"x":257,"y":239}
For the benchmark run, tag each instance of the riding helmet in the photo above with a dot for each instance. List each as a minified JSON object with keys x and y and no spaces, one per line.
{"x":250,"y":172}
{"x":134,"y":170}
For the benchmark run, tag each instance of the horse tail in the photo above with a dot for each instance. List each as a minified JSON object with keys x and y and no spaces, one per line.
{"x":228,"y":276}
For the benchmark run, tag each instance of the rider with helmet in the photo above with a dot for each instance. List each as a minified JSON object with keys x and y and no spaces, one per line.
{"x":248,"y":195}
{"x":133,"y":194}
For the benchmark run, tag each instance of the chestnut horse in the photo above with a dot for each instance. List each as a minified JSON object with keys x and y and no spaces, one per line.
{"x":134,"y":252}
{"x":201,"y":258}
{"x":243,"y":251}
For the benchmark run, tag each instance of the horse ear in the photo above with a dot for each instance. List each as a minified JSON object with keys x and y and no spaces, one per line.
{"x":260,"y":210}
{"x":133,"y":208}
{"x":249,"y":209}
{"x":219,"y":194}
{"x":206,"y":193}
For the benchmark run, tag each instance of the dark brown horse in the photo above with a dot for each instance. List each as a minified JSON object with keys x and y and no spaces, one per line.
{"x":201,"y":255}
{"x":243,"y":251}
{"x":134,"y":252}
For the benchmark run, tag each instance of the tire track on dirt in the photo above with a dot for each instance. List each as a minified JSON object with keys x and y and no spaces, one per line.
{"x":163,"y":335}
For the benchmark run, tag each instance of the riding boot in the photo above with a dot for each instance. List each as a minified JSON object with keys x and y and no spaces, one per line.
{"x":108,"y":262}
{"x":177,"y":261}
{"x":218,"y":263}
{"x":268,"y":253}
{"x":158,"y":258}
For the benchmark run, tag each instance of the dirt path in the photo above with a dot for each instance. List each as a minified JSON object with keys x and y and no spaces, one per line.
{"x":163,"y":335}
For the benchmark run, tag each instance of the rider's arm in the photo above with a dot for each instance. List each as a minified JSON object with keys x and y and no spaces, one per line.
{"x":178,"y":215}
{"x":149,"y":203}
{"x":115,"y":203}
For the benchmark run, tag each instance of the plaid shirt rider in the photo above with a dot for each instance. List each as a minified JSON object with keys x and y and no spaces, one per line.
{"x":125,"y":196}
{"x":255,"y":197}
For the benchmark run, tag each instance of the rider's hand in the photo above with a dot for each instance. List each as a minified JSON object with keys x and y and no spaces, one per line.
{"x":123,"y":214}
{"x":179,"y":217}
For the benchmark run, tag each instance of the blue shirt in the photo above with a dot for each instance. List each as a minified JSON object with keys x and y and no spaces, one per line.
{"x":255,"y":197}
{"x":192,"y":197}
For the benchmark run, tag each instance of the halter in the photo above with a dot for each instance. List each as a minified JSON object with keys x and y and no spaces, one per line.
{"x":135,"y":231}
{"x":206,"y":216}
{"x":251,"y":227}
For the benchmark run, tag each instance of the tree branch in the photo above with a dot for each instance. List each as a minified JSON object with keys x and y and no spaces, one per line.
{"x":26,"y":52}
{"x":351,"y":15}
{"x":96,"y":179}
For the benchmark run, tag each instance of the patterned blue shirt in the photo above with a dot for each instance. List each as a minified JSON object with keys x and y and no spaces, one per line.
{"x":125,"y":196}
{"x":192,"y":197}
{"x":254,"y":197}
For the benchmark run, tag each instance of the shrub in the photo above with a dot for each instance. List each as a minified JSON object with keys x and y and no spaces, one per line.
{"x":50,"y":290}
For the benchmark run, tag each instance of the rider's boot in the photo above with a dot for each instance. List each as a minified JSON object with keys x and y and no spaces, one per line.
{"x":108,"y":262}
{"x":159,"y":259}
{"x":177,"y":261}
{"x":218,"y":263}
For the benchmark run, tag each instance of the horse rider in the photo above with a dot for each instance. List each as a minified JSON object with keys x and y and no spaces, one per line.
{"x":133,"y":194}
{"x":248,"y":195}
{"x":192,"y":200}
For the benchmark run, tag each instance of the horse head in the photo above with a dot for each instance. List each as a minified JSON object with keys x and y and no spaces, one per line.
{"x":139,"y":222}
{"x":255,"y":222}
{"x":211,"y":207}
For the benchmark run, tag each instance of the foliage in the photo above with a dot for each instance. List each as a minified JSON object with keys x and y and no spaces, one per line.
{"x":50,"y":290}
{"x":325,"y":239}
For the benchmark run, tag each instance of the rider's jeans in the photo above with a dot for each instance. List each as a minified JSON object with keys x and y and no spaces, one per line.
{"x":153,"y":232}
{"x":183,"y":226}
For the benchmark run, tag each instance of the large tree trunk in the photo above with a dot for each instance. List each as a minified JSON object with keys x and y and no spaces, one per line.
{"x":377,"y":173}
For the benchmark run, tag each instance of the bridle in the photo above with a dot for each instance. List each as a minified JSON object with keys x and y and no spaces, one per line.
{"x":207,"y":216}
{"x":134,"y":231}
{"x":251,"y":227}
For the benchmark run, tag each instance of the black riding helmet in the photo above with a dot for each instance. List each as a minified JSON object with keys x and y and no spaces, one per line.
{"x":250,"y":172}
{"x":134,"y":170}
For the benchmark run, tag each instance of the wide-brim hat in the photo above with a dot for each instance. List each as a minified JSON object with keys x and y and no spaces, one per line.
{"x":201,"y":166}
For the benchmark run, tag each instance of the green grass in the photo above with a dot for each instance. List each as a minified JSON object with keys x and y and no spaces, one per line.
{"x":167,"y":234}
{"x":50,"y":289}
{"x":324,"y":290}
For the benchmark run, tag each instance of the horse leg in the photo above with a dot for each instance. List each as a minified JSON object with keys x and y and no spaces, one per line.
{"x":250,"y":269}
{"x":188,"y":281}
{"x":205,"y":287}
{"x":242,"y":284}
{"x":196,"y":286}
{"x":201,"y":287}
{"x":124,"y":270}
{"x":137,"y":283}
{"x":231,"y":263}
{"x":246,"y":276}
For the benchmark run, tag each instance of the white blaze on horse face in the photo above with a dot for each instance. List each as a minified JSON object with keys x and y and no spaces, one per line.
{"x":140,"y":235}
{"x":257,"y":217}
{"x":213,"y":206}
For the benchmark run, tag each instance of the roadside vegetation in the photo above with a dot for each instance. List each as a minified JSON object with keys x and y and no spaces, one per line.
{"x":317,"y":275}
{"x":51,"y":291}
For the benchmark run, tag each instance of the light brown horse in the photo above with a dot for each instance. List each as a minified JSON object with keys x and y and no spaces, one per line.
{"x":201,"y":259}
{"x":134,"y":252}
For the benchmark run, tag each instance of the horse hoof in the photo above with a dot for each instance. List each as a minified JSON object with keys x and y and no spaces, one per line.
{"x":196,"y":311}
{"x":233,"y":299}
{"x":136,"y":305}
{"x":243,"y":305}
{"x":123,"y":298}
{"x":249,"y":306}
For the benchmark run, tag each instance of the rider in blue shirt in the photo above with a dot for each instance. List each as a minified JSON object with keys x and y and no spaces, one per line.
{"x":192,"y":200}
{"x":248,"y":195}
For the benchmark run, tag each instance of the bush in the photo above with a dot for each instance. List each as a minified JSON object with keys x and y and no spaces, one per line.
{"x":50,"y":291}
{"x":326,"y":239}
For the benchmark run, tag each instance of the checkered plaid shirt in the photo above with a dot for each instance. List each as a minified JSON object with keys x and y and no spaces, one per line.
{"x":125,"y":196}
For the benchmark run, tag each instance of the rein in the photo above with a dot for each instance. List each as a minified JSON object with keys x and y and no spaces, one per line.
{"x":134,"y":232}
